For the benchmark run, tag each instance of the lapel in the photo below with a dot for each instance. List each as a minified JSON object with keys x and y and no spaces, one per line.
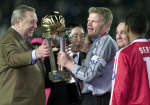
{"x":19,"y":40}
{"x":82,"y":56}
{"x":24,"y":44}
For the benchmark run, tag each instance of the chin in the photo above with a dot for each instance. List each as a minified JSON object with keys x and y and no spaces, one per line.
{"x":30,"y":35}
{"x":91,"y":34}
{"x":121,"y":46}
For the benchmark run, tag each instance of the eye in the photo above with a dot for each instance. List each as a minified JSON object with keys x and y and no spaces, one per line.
{"x":77,"y":36}
{"x":34,"y":21}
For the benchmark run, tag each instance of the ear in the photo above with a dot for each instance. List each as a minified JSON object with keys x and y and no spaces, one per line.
{"x":17,"y":21}
{"x":106,"y":27}
{"x":127,"y":29}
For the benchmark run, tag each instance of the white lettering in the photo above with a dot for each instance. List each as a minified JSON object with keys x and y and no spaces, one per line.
{"x":145,"y":49}
{"x":140,"y":49}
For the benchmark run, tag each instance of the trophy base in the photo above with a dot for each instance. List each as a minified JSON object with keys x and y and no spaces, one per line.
{"x":59,"y":76}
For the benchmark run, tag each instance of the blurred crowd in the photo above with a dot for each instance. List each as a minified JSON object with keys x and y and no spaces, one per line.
{"x":69,"y":62}
{"x":73,"y":10}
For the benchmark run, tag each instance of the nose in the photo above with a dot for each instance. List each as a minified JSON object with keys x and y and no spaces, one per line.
{"x":89,"y":23}
{"x":78,"y":39}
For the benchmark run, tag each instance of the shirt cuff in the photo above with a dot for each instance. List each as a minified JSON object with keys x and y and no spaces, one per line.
{"x":75,"y":68}
{"x":34,"y":58}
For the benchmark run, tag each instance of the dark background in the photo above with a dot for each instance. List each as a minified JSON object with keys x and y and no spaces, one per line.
{"x":72,"y":10}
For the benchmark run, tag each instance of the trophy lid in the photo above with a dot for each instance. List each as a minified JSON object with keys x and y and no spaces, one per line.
{"x":52,"y":24}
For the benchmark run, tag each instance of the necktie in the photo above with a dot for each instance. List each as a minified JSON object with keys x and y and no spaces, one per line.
{"x":74,"y":55}
{"x":75,"y":58}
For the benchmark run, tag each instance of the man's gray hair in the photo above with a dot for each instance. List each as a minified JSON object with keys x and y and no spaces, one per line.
{"x":19,"y":11}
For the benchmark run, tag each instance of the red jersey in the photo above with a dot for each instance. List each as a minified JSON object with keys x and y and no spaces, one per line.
{"x":131,"y":75}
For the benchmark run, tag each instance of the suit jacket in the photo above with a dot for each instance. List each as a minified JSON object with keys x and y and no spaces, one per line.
{"x":21,"y":82}
{"x":82,"y":56}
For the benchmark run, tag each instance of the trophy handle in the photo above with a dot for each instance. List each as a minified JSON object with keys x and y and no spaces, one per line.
{"x":55,"y":75}
{"x":62,"y":48}
{"x":51,"y":57}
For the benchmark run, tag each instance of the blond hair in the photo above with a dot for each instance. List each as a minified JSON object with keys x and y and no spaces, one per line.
{"x":105,"y":12}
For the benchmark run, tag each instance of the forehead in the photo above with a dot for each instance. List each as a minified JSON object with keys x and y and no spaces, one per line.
{"x":95,"y":16}
{"x":30,"y":15}
{"x":121,"y":26}
{"x":77,"y":30}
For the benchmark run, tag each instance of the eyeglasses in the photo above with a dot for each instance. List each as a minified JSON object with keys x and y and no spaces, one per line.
{"x":78,"y":36}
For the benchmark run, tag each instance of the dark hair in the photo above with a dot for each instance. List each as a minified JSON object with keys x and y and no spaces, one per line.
{"x":72,"y":25}
{"x":121,"y":20}
{"x":137,"y":22}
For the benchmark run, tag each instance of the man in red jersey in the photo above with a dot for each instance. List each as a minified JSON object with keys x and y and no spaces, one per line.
{"x":131,"y":73}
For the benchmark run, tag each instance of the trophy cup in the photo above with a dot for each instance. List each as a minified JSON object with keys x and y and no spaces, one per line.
{"x":53,"y":29}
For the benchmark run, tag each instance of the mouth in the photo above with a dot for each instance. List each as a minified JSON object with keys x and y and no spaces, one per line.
{"x":119,"y":41}
{"x":32,"y":30}
{"x":90,"y":29}
{"x":30,"y":33}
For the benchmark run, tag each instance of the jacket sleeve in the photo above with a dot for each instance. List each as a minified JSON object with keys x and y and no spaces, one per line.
{"x":14,"y":53}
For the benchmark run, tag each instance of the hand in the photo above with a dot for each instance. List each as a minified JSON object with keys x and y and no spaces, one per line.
{"x":65,"y":60}
{"x":43,"y":50}
{"x":61,"y":55}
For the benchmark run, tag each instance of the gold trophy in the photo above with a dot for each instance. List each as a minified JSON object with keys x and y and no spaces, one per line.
{"x":53,"y":29}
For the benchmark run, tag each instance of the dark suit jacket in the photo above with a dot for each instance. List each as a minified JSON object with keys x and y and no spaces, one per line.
{"x":82,"y":56}
{"x":21,"y":82}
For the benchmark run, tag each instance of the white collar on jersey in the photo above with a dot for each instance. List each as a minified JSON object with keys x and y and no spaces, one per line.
{"x":140,"y":40}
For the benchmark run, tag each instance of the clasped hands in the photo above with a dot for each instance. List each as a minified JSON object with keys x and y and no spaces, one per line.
{"x":63,"y":59}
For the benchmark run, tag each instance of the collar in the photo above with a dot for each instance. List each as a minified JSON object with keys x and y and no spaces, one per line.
{"x":103,"y":34}
{"x":72,"y":53}
{"x":100,"y":35}
{"x":18,"y":32}
{"x":140,"y":40}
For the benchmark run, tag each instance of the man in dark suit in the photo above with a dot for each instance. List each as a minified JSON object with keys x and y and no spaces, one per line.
{"x":77,"y":40}
{"x":21,"y":72}
{"x":76,"y":52}
{"x":65,"y":93}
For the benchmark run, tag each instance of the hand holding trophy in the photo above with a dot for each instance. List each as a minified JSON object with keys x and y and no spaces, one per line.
{"x":53,"y":29}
